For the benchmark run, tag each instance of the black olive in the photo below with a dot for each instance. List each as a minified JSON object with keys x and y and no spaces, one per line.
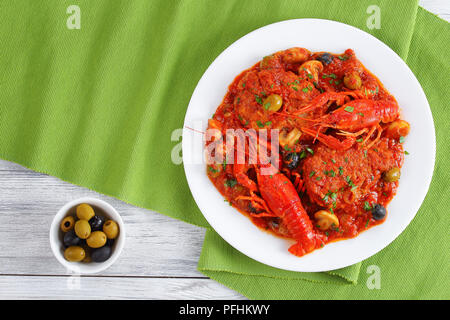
{"x":71,"y":239}
{"x":110,"y":242}
{"x":378,"y":212}
{"x":275,"y":223}
{"x":252,"y":209}
{"x":96,"y":223}
{"x":292,"y":160}
{"x":325,"y":58}
{"x":101,"y":254}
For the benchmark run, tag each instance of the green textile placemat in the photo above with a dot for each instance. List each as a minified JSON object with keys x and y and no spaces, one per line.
{"x":97,"y":107}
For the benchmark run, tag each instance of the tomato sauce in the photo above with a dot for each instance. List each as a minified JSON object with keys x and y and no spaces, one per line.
{"x":354,"y":183}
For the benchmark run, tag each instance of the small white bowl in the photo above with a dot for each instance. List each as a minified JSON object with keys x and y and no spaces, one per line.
{"x":56,"y":235}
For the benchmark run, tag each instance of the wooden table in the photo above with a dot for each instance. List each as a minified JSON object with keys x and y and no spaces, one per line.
{"x":158,"y":262}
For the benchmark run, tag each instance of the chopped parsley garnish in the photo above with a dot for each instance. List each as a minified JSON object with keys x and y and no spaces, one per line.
{"x":303,"y":154}
{"x":212,"y":169}
{"x":330,"y":173}
{"x":343,"y":58}
{"x":367,"y":206}
{"x":341,"y":171}
{"x":305,"y":90}
{"x":331,"y":75}
{"x":330,"y":194}
{"x":268,"y":123}
{"x":310,"y":150}
{"x":346,"y":159}
{"x":374,"y":92}
{"x":318,"y":178}
{"x":259,"y":124}
{"x":406,"y":152}
{"x":258,"y":99}
{"x":243,"y":85}
{"x":359,"y":140}
{"x":360,"y":114}
{"x":349,"y":109}
{"x":350,"y":182}
{"x":312,"y":173}
{"x":267,"y":105}
{"x":332,"y":160}
{"x":230,"y":183}
{"x":401,"y":139}
{"x":365,"y":153}
{"x":295,"y":88}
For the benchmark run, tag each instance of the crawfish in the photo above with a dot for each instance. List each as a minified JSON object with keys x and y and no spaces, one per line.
{"x":352,"y":119}
{"x":279,"y":198}
{"x":283,"y":200}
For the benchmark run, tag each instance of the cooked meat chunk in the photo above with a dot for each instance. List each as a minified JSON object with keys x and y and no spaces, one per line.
{"x":335,"y":178}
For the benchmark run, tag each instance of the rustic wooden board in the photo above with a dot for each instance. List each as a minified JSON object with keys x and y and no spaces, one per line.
{"x":88,"y":288}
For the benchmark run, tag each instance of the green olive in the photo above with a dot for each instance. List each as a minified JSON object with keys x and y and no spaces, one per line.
{"x":111,"y":229}
{"x":85,"y":212}
{"x":82,"y":229}
{"x":74,"y":254}
{"x":88,"y":253}
{"x":266,"y":62}
{"x":87,"y":259}
{"x":352,"y":80}
{"x":273,"y":102}
{"x":67,"y":223}
{"x":392,"y":175}
{"x":97,"y":239}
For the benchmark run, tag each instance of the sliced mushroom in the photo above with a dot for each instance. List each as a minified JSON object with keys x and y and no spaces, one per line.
{"x":325,"y":220}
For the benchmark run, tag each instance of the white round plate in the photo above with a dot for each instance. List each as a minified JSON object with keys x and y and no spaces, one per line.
{"x":315,"y":35}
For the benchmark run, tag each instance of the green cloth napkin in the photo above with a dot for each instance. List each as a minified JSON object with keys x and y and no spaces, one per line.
{"x":97,"y":107}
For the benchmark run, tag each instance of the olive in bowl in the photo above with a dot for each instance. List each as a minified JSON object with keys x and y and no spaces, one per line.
{"x":82,"y":245}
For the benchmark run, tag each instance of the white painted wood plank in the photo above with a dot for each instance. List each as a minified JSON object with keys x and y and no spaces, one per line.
{"x":156,"y":245}
{"x":90,"y":288}
{"x":439,"y":7}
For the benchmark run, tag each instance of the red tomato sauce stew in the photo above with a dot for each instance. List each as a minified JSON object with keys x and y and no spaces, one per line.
{"x":340,"y":147}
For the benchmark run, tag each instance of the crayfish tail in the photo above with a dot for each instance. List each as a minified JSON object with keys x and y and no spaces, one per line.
{"x":301,"y":248}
